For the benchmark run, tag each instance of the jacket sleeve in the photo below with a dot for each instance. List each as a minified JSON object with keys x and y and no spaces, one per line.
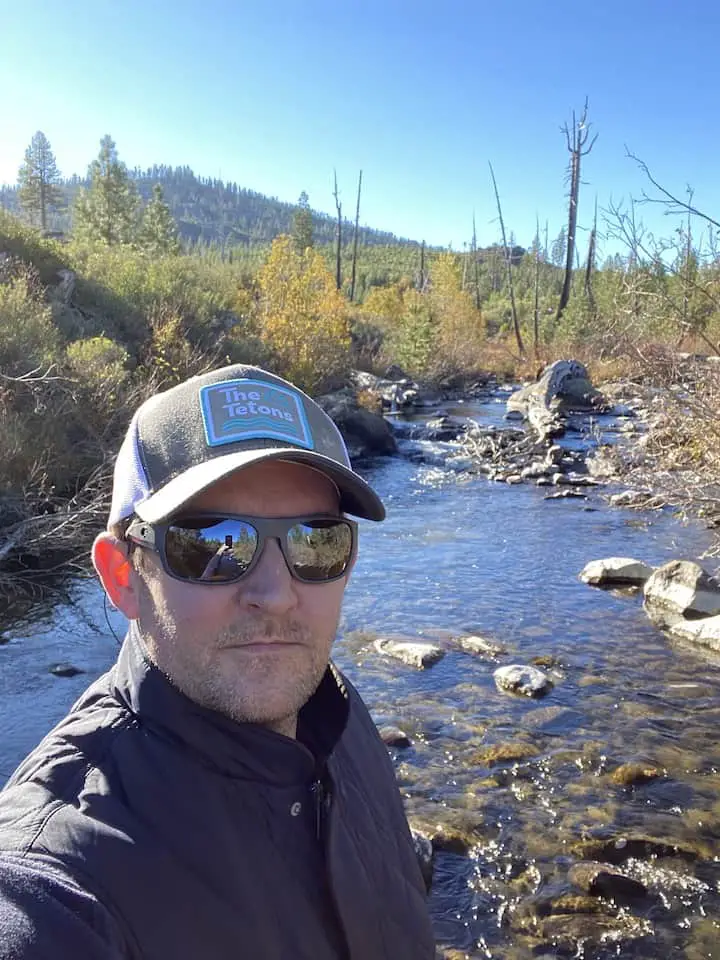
{"x":46,"y":915}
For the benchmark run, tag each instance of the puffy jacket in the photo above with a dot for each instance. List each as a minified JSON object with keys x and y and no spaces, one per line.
{"x":145,"y":826}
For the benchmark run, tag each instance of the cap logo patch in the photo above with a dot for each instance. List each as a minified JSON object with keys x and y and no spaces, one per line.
{"x":248,"y":409}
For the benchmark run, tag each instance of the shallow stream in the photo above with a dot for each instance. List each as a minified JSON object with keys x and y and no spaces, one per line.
{"x":462,"y":555}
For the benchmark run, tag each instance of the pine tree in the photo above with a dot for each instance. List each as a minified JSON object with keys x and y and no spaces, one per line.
{"x":302,"y":224}
{"x":158,"y":233}
{"x":108,"y":209}
{"x":38,"y":179}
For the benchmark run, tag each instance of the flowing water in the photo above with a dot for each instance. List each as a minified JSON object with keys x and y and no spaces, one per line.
{"x":519,"y":789}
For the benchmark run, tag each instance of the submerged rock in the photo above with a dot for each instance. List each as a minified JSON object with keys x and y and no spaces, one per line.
{"x":635,"y":774}
{"x":415,"y":653}
{"x":554,"y":720}
{"x":614,"y":570}
{"x":639,"y":847}
{"x":683,"y":587}
{"x":394,"y":736}
{"x":499,"y":753}
{"x":522,"y":680}
{"x":604,"y":880}
{"x":570,"y":930}
{"x":65,"y":670}
{"x":481,"y":646}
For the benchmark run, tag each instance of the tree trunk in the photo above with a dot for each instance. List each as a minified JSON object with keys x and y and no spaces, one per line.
{"x":575,"y":144}
{"x":476,"y":268}
{"x":338,"y":252}
{"x":355,"y":240}
{"x":508,"y":264}
{"x":536,"y":305}
{"x":590,"y":266}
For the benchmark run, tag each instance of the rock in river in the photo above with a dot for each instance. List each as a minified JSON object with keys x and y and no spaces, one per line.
{"x":705,"y":631}
{"x":523,"y":680}
{"x":612,"y":570}
{"x":65,"y":670}
{"x":394,"y":736}
{"x":481,"y":646}
{"x":683,"y":587}
{"x":604,"y":880}
{"x":415,"y":653}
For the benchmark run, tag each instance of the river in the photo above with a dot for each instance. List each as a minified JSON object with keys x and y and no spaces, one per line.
{"x":461,"y":555}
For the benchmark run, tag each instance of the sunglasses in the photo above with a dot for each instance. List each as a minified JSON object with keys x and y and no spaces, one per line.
{"x":214,"y":548}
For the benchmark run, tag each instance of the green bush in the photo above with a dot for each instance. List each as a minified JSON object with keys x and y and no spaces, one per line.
{"x":29,"y":339}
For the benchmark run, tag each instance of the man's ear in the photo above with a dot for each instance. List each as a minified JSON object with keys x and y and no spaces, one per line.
{"x":111,"y":559}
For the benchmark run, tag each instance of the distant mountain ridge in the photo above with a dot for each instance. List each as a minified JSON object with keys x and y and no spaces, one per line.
{"x":212,"y":211}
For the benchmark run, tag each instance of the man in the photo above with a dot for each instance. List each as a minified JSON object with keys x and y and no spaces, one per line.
{"x":222,"y":792}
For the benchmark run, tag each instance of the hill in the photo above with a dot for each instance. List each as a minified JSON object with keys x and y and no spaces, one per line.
{"x":211,"y":211}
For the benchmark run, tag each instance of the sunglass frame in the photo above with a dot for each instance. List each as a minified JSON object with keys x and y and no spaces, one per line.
{"x":152,"y":536}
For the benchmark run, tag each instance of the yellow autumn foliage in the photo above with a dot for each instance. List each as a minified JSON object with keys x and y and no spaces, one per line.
{"x":458,"y":322}
{"x":302,"y":317}
{"x":385,"y":305}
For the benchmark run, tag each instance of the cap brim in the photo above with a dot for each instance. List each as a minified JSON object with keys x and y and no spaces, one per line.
{"x":356,"y":496}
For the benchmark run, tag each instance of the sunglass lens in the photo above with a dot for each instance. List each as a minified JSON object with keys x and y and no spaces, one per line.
{"x":320,"y":550}
{"x":210,"y":550}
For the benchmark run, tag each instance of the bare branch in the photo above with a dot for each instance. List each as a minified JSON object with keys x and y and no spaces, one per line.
{"x":670,"y":201}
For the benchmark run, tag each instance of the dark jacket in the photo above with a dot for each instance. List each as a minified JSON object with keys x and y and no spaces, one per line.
{"x":145,"y":826}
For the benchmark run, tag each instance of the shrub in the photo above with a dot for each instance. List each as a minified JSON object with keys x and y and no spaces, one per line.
{"x":28,"y":337}
{"x":302,"y":316}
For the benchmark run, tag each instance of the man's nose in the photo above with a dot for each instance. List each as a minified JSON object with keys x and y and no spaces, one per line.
{"x":270,"y":585}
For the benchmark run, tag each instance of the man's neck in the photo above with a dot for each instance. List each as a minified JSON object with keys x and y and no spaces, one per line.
{"x":286,"y":726}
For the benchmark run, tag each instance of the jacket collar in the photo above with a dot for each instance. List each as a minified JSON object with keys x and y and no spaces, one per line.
{"x":242,"y":750}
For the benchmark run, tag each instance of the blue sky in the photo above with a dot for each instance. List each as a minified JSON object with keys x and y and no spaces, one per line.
{"x":419,"y":95}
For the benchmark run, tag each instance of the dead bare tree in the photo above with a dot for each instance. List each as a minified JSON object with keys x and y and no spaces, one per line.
{"x":355,"y":240}
{"x":687,"y":278}
{"x":577,"y":140}
{"x":590,"y":265}
{"x":672,"y":204}
{"x":338,"y":235}
{"x":421,"y":278}
{"x":476,"y":265}
{"x":508,"y":264}
{"x":536,"y":298}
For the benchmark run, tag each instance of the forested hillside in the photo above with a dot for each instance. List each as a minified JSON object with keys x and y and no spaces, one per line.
{"x":207,"y":210}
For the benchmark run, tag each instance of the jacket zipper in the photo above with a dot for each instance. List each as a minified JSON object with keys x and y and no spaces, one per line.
{"x":318,"y":791}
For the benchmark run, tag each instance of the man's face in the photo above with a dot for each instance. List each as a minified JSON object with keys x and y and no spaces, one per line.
{"x":212,"y":640}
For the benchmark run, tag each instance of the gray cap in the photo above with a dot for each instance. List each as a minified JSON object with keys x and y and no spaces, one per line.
{"x":183,"y":440}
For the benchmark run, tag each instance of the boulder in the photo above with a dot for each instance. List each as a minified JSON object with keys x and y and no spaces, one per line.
{"x":445,"y":428}
{"x":563,"y":386}
{"x":683,"y":587}
{"x":395,"y":393}
{"x":415,"y":653}
{"x":704,"y":631}
{"x":614,"y":570}
{"x":630,"y":498}
{"x":522,"y":680}
{"x":425,"y":855}
{"x":365,"y":433}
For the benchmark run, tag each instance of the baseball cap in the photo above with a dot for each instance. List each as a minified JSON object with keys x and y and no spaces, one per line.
{"x":184,"y":439}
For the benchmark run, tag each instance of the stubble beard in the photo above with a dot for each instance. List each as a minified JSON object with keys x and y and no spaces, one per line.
{"x":266,"y":688}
